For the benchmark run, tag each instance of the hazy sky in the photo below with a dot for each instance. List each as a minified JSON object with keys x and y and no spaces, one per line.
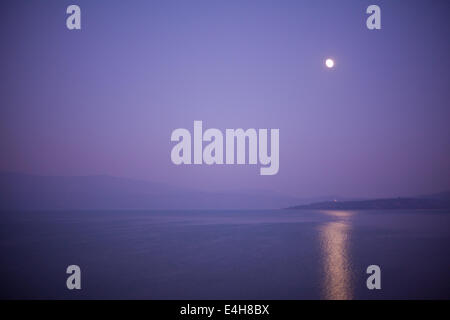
{"x":105,"y":100}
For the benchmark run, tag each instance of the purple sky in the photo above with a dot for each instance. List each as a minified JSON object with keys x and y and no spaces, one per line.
{"x":105,"y":100}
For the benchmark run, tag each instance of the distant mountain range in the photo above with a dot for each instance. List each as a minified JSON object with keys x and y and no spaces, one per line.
{"x":33,"y":192}
{"x":434,"y":201}
{"x":20,"y":191}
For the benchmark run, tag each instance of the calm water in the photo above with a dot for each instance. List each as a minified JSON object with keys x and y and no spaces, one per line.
{"x":225,"y":254}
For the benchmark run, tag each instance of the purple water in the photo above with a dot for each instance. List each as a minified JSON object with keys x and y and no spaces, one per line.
{"x":277,"y":254}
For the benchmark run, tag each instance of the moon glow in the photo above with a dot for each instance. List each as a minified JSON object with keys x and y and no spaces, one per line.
{"x":329,"y":63}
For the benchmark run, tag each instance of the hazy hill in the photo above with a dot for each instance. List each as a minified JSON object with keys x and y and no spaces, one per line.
{"x":437,"y":201}
{"x":33,"y":192}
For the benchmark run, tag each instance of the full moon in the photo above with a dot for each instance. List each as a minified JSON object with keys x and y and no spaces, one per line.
{"x":329,"y":63}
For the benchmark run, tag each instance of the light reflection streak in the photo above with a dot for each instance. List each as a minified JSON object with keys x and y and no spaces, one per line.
{"x":334,"y":238}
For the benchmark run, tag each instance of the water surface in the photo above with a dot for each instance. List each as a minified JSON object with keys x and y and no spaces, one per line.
{"x":278,"y":254}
